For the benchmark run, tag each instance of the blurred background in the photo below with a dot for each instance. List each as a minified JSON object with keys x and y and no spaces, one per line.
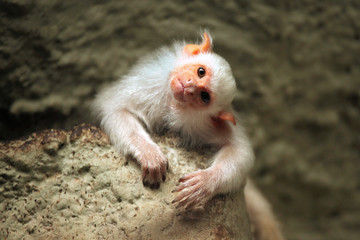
{"x":297,"y":66}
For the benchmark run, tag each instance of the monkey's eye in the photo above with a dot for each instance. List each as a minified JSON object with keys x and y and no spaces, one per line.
{"x":205,"y":97}
{"x":201,"y":72}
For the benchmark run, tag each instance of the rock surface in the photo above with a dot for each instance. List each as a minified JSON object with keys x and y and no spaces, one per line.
{"x":70,"y":184}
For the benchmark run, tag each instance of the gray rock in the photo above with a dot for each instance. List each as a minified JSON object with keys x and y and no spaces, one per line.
{"x":70,"y":184}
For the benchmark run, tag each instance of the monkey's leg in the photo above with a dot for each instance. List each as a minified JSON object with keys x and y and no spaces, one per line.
{"x":129,"y":136}
{"x":260,"y":214}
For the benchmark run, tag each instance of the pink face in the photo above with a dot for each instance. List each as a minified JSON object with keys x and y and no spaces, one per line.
{"x":190,"y":85}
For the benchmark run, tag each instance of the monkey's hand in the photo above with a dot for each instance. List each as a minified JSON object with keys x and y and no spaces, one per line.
{"x":195,"y":189}
{"x":154,"y":166}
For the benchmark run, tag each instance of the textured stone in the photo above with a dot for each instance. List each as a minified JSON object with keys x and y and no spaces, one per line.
{"x":70,"y":184}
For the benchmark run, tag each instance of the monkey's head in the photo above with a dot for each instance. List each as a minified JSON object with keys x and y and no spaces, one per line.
{"x":203,"y":81}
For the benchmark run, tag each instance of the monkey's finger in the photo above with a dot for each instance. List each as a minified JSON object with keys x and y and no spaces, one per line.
{"x":178,"y":188}
{"x":185,"y":194}
{"x":158,"y":176}
{"x":154,"y":175}
{"x":144,"y":178}
{"x":189,"y":176}
{"x":182,"y":203}
{"x":181,"y":197}
{"x":184,"y":185}
{"x":192,"y":199}
{"x":151,"y":173}
{"x":193,"y":204}
{"x":147,"y":182}
{"x":195,"y":200}
{"x":183,"y":179}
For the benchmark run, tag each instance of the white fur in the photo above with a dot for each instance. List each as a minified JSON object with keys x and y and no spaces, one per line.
{"x":143,"y":97}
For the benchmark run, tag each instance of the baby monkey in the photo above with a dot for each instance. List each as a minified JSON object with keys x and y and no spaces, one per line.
{"x":187,"y":89}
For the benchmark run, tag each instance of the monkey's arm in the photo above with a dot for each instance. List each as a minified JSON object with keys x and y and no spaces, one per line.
{"x":129,"y":136}
{"x":227,"y":173}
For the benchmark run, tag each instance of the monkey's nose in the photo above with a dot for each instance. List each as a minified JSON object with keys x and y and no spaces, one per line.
{"x":189,"y":82}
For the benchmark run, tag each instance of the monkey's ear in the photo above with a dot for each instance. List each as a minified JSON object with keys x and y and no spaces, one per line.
{"x":226,"y":116}
{"x":204,"y":47}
